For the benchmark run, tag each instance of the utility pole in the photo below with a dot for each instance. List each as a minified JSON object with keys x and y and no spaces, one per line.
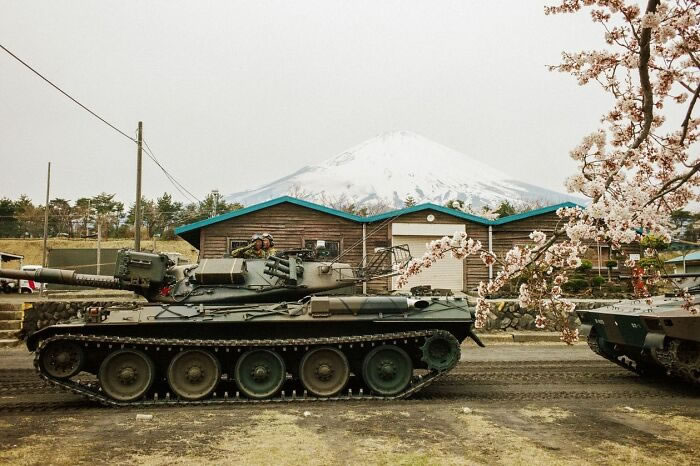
{"x":99,"y":248}
{"x":87,"y":220}
{"x":215,"y":195}
{"x":46,"y":215}
{"x":137,"y":216}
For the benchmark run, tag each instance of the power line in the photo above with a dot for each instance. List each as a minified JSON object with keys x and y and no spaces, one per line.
{"x":175,"y":183}
{"x":179,"y":186}
{"x":68,"y":95}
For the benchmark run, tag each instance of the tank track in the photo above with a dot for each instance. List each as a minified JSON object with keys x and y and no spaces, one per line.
{"x":666,"y":359}
{"x":92,"y":391}
{"x":624,"y":361}
{"x":688,"y":370}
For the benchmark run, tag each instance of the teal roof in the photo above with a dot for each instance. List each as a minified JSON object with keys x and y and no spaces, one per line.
{"x":427,"y":206}
{"x":693,"y":256}
{"x":191,"y":232}
{"x":533,"y":213}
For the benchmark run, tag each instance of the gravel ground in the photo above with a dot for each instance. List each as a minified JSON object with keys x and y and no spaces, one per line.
{"x":506,"y":404}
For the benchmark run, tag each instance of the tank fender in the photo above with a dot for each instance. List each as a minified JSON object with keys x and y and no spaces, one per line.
{"x":654,"y":340}
{"x":585,"y":329}
{"x":35,"y":338}
{"x":476,"y":338}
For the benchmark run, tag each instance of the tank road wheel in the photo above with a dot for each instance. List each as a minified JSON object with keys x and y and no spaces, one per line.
{"x":62,"y":359}
{"x":194,"y":374}
{"x":387,"y":370}
{"x":440,"y":351}
{"x":324,"y":371}
{"x":126,"y":374}
{"x":260,"y":373}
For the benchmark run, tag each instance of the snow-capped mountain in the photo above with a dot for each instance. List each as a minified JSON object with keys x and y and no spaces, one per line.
{"x":392,"y":166}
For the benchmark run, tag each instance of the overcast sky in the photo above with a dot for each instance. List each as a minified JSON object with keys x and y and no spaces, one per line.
{"x":234,"y":94}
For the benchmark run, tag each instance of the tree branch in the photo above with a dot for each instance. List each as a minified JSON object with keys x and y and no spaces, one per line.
{"x":644,"y":55}
{"x":686,"y":120}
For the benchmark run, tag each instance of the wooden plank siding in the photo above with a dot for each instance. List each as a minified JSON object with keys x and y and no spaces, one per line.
{"x":291,"y":225}
{"x":518,"y":233}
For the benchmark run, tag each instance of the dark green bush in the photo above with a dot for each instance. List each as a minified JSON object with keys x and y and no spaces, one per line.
{"x":611,"y":288}
{"x":585,"y":266}
{"x":597,"y":281}
{"x":574,"y":285}
{"x":611,"y":264}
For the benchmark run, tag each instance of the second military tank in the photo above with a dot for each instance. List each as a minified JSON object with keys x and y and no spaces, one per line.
{"x":660,"y":338}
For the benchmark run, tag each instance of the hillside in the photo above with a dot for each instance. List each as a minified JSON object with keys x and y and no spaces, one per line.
{"x":388,"y":168}
{"x":31,"y":249}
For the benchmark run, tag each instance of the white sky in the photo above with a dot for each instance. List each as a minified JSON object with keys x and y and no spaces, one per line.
{"x":235,"y":94}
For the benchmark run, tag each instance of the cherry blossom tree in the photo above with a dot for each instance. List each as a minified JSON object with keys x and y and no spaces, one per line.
{"x":638,"y":167}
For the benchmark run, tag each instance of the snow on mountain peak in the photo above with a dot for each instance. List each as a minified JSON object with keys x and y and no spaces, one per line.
{"x":394,"y":165}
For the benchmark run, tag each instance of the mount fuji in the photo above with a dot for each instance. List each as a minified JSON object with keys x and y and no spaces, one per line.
{"x":392,"y":166}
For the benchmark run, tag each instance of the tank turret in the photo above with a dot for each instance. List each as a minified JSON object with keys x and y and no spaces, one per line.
{"x":289,"y":276}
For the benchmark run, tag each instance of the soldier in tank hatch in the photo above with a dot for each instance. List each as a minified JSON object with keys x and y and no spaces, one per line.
{"x":260,"y":247}
{"x":268,"y":243}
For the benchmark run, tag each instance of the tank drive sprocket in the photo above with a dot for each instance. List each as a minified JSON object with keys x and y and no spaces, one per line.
{"x":441,"y":351}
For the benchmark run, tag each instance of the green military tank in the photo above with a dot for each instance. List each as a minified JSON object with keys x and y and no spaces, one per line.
{"x":291,"y":275}
{"x":657,"y":339}
{"x":245,"y":330}
{"x":322,"y":347}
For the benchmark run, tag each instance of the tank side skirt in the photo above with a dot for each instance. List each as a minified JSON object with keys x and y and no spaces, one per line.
{"x":92,"y":391}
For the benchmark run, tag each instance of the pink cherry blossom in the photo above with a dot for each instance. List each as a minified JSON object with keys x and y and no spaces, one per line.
{"x":636,"y":168}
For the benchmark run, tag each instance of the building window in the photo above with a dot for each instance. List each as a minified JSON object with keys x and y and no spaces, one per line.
{"x":599,"y":254}
{"x":234,"y":244}
{"x":325,"y":249}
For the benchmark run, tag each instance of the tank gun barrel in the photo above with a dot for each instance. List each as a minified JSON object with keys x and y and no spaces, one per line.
{"x":62,"y":277}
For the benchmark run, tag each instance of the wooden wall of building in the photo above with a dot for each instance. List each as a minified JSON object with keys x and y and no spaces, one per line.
{"x":291,"y":225}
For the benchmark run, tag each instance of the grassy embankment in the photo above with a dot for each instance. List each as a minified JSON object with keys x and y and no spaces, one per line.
{"x":31,"y":249}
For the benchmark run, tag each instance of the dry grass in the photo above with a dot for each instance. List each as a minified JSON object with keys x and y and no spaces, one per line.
{"x":422,"y":435}
{"x":31,"y":249}
{"x":544,"y":414}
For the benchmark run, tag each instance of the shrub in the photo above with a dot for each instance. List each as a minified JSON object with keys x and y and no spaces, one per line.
{"x":585,"y":266}
{"x":610,"y":288}
{"x":597,"y":281}
{"x":652,"y":262}
{"x":575,"y":284}
{"x":654,"y":242}
{"x":611,"y":264}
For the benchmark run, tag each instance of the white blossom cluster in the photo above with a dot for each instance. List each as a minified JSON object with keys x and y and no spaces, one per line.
{"x":636,"y":168}
{"x":458,"y":246}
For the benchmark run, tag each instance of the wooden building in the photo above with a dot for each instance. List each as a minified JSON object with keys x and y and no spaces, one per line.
{"x":296,"y":224}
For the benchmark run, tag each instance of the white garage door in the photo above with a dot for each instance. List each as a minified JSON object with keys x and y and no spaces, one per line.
{"x":445,"y":273}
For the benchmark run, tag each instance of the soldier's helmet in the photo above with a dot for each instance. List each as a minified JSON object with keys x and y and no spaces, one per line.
{"x":255,"y":237}
{"x":269,"y":237}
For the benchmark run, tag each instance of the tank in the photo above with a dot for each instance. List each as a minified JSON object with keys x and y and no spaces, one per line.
{"x":322,"y":347}
{"x":657,"y":339}
{"x":289,"y":276}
